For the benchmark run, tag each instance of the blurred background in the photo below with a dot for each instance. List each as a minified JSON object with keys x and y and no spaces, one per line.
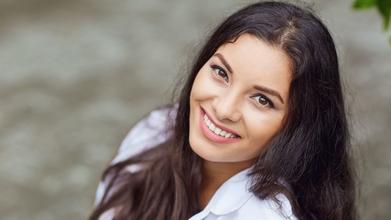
{"x":76,"y":75}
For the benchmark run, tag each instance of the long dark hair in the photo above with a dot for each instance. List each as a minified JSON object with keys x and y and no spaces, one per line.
{"x":312,"y":152}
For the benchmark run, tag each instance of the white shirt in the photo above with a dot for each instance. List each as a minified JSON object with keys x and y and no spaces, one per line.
{"x":232,"y":200}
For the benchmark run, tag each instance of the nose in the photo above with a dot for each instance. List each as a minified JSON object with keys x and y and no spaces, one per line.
{"x":226,"y":107}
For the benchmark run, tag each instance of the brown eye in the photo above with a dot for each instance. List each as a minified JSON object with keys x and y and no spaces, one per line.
{"x":220,"y":72}
{"x":263,"y":100}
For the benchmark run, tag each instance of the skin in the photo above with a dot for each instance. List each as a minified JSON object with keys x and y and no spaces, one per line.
{"x":230,"y":99}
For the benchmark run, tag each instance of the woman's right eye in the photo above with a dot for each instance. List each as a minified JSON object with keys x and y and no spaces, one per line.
{"x":220,"y":72}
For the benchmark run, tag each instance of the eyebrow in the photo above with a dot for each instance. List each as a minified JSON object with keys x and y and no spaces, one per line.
{"x":269,"y":91}
{"x":260,"y":88}
{"x":220,"y":56}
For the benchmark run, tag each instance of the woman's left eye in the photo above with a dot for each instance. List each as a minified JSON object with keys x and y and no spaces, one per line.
{"x":263,"y":100}
{"x":220,"y":72}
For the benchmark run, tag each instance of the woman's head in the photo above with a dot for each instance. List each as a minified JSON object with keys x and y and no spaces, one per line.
{"x":241,"y":91}
{"x":273,"y":45}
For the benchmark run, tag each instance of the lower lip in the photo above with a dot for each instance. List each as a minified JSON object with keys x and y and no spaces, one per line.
{"x":212,"y":136}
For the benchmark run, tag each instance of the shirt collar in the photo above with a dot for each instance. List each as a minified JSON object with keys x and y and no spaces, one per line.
{"x":231,"y":195}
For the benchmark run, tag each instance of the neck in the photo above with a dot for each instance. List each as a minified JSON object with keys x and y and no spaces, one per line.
{"x":215,"y":174}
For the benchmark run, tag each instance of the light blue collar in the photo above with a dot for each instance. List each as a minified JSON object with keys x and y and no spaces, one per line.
{"x":231,"y":195}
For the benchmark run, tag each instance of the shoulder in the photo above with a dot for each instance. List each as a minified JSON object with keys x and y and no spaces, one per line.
{"x":256,"y":208}
{"x":146,"y":133}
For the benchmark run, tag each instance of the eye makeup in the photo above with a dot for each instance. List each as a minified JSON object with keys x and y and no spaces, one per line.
{"x":221,"y":73}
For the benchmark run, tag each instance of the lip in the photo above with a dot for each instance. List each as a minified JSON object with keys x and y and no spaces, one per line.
{"x":212,"y":136}
{"x":218,"y":125}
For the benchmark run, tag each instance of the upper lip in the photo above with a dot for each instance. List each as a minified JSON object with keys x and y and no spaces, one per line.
{"x":219,"y":125}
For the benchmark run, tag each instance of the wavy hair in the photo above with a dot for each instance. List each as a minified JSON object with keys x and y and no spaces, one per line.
{"x":312,"y":152}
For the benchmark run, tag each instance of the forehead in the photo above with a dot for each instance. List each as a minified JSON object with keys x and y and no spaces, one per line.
{"x":256,"y":62}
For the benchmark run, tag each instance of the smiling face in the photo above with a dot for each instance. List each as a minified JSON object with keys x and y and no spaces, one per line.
{"x":242,"y":90}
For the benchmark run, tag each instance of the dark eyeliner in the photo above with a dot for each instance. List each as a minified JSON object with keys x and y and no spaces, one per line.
{"x":271,"y":104}
{"x":214,"y":66}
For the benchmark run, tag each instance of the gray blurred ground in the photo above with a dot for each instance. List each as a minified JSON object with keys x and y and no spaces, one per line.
{"x":76,"y":75}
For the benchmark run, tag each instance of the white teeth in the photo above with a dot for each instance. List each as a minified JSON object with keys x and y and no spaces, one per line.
{"x":216,"y":129}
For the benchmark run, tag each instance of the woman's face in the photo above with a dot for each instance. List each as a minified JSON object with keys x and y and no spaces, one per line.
{"x":242,"y":90}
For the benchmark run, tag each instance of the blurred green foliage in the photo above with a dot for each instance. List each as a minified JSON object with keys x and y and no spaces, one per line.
{"x":382,"y":6}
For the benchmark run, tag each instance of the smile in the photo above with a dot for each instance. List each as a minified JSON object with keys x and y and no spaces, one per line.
{"x":212,"y":127}
{"x":213,"y":132}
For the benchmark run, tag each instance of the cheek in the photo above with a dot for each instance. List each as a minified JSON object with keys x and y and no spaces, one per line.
{"x":197,"y":82}
{"x":262,"y":130}
{"x":203,"y":86}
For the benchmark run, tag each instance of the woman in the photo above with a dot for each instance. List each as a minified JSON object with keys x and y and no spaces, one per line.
{"x":259,"y":131}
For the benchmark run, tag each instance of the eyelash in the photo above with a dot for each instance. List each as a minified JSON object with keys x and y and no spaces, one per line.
{"x":270,"y":103}
{"x":220,"y":69}
{"x":216,"y":67}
